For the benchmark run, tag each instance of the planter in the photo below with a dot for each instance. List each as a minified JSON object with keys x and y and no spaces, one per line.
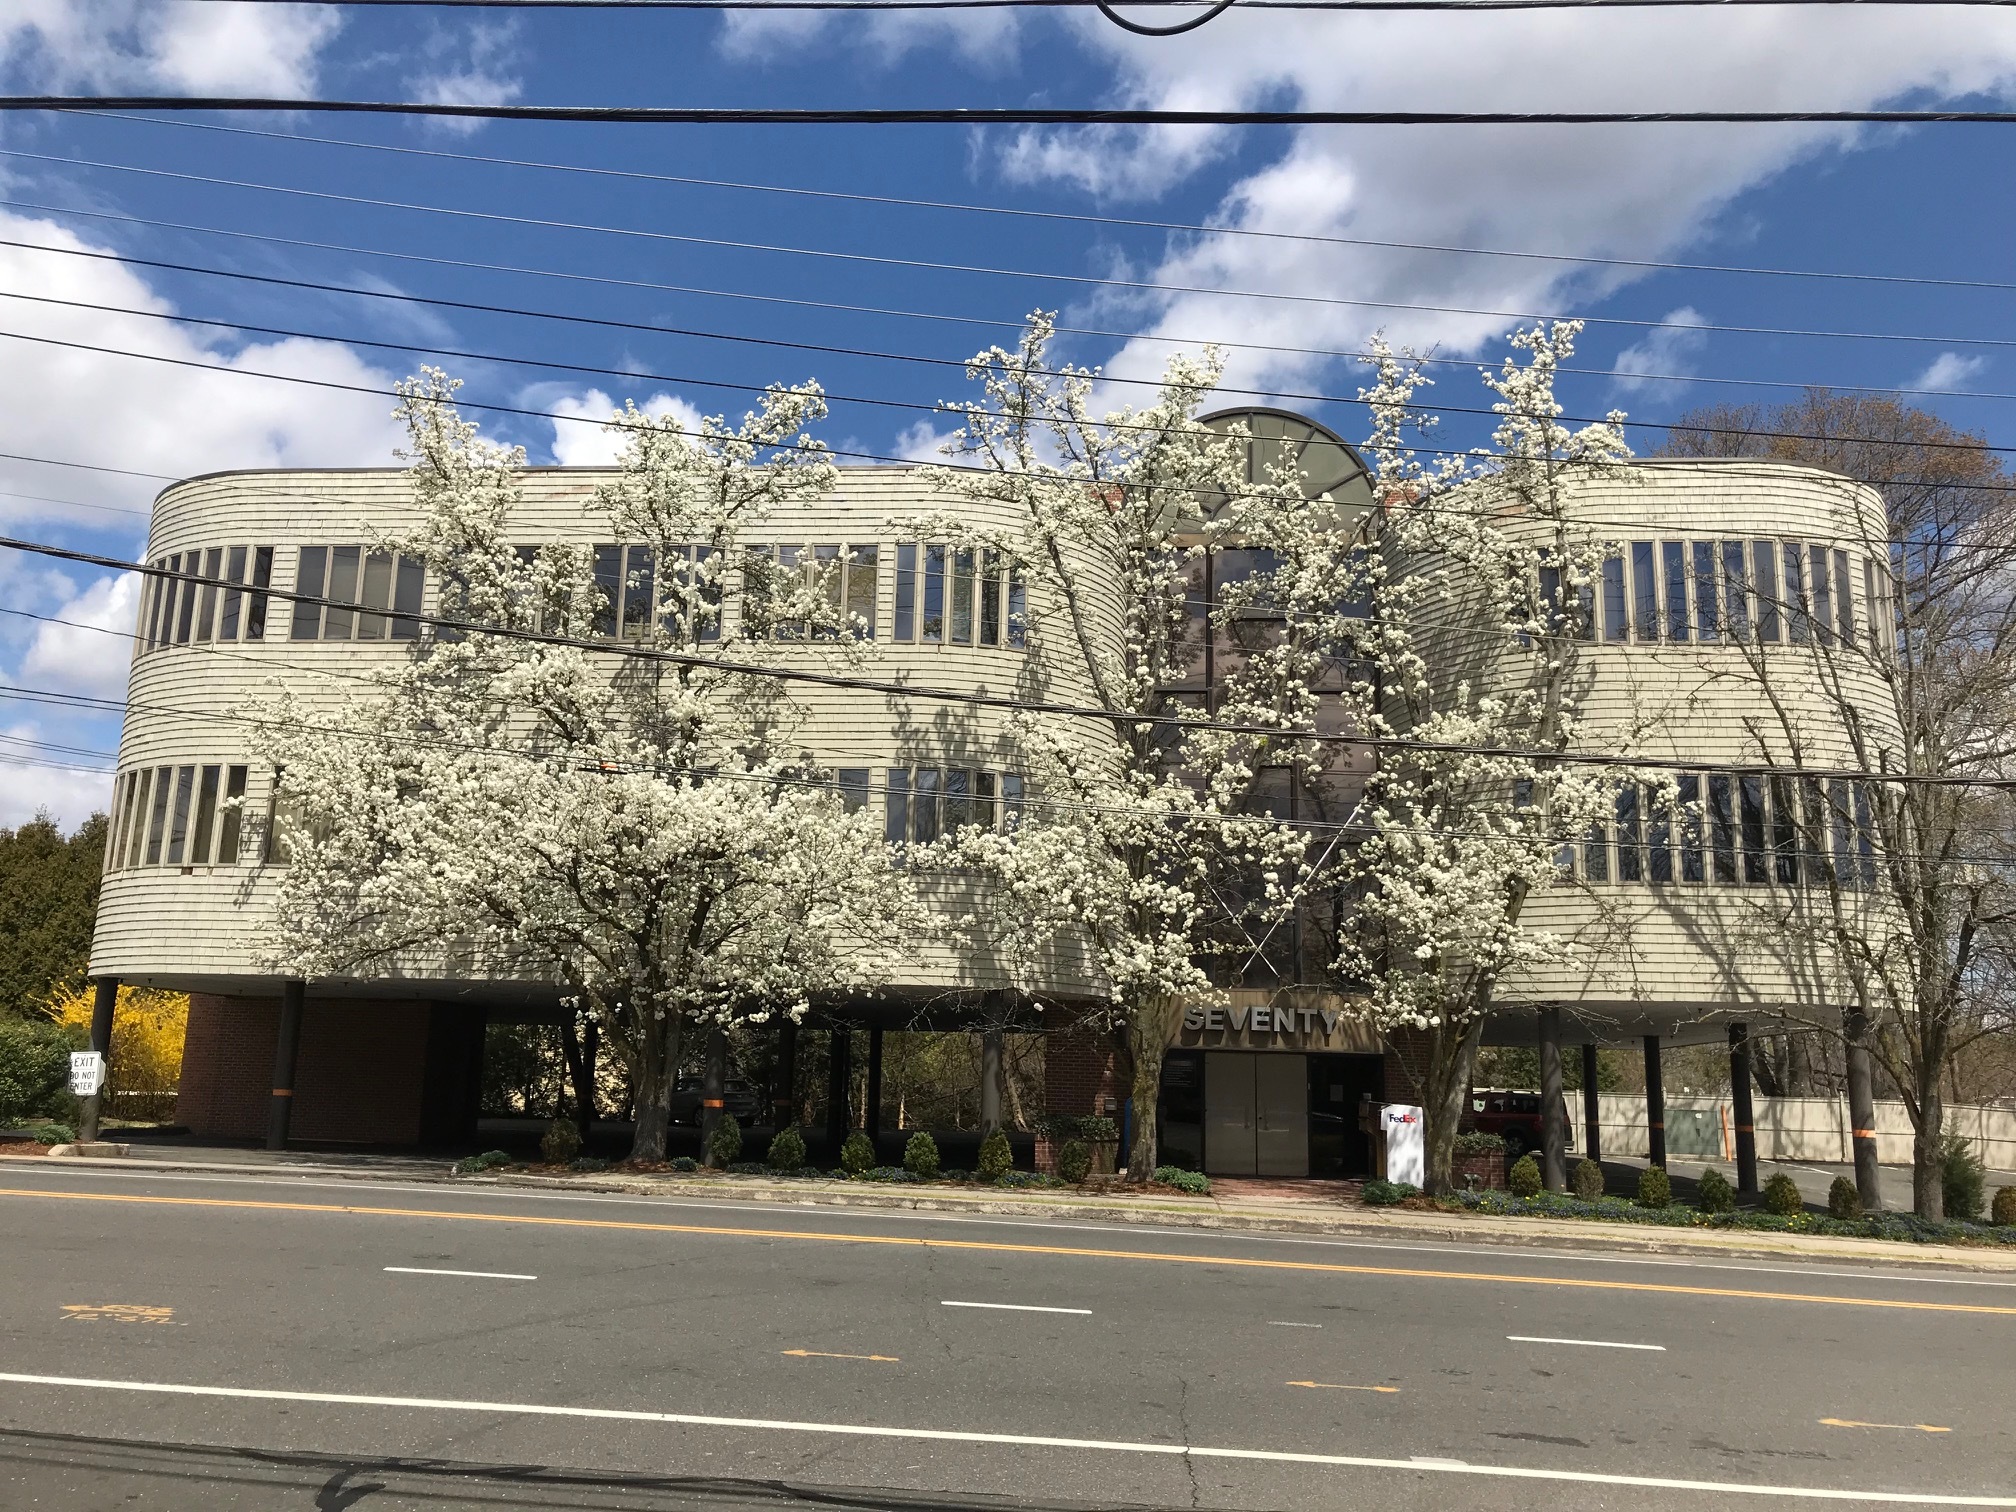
{"x":1488,"y":1166}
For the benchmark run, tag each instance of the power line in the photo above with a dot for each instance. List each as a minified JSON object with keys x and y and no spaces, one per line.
{"x":1086,"y":218}
{"x":879,"y":260}
{"x":1013,"y":115}
{"x":1287,"y":5}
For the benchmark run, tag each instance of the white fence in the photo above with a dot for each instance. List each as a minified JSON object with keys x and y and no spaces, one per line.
{"x":1791,"y":1128}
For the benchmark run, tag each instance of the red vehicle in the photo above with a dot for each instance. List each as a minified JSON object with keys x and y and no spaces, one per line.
{"x":1512,"y":1116}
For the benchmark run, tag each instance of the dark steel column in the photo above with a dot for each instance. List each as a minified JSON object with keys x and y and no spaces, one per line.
{"x":105,"y":997}
{"x":1862,"y":1112}
{"x":990,"y":1081}
{"x":784,"y":1096}
{"x":1592,"y":1106}
{"x":1553,"y":1110}
{"x":713,"y":1090}
{"x":839,"y":1081}
{"x":1655,"y":1101}
{"x":1746,"y":1118}
{"x":874,"y":1108}
{"x":286,"y":1050}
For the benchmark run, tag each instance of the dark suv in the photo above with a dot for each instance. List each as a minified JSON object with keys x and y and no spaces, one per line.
{"x":1512,"y":1116}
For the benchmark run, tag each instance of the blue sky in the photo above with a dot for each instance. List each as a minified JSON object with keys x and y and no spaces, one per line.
{"x":1929,"y":202}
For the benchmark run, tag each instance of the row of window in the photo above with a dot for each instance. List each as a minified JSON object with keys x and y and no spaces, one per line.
{"x":1749,"y":830}
{"x":920,"y":804}
{"x":176,"y":610}
{"x":371,"y":581}
{"x":176,"y":816}
{"x":1708,"y":591}
{"x":969,"y":598}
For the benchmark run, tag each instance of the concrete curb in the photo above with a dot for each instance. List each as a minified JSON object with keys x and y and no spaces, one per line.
{"x":1385,"y":1225}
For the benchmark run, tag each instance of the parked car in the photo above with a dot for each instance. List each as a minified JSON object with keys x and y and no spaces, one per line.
{"x":1512,"y":1116}
{"x":740,"y":1099}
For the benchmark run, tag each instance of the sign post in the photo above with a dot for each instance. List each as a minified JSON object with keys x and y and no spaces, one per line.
{"x":1406,"y":1143}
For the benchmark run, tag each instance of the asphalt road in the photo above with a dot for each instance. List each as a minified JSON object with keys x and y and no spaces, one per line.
{"x":175,"y":1342}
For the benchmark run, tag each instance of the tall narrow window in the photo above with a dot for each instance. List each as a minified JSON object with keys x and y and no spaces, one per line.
{"x":1011,"y":801}
{"x":1756,"y":864}
{"x":406,"y":591}
{"x":1630,"y":856}
{"x":1673,"y":558}
{"x":1616,"y":612}
{"x":1823,"y":599}
{"x":1722,"y":826}
{"x":1840,"y":816}
{"x":136,"y":822}
{"x":234,"y":572}
{"x":1764,"y":575}
{"x":1596,"y":853}
{"x":958,"y":800}
{"x":1707,"y":611}
{"x":1813,"y":829}
{"x":206,"y":816}
{"x":1644,"y":595}
{"x":150,"y":618}
{"x":185,"y":608}
{"x":1735,"y":590}
{"x":906,"y":590}
{"x":961,"y":633}
{"x":206,"y":597}
{"x":863,"y":567}
{"x":640,"y":591}
{"x":255,"y":607}
{"x":1844,"y":600}
{"x":375,"y":595}
{"x":827,"y":577}
{"x":1798,"y":609}
{"x":990,"y":596}
{"x":1784,"y":831}
{"x":1550,"y":601}
{"x":853,"y":783}
{"x":178,"y":819}
{"x":340,"y":624}
{"x":608,"y":591}
{"x":157,"y":819}
{"x":1865,"y":836}
{"x":708,"y":564}
{"x":1659,"y":836}
{"x":983,"y":800}
{"x":924,"y":806}
{"x":932,"y":627}
{"x":1691,"y":868}
{"x":310,"y":574}
{"x":170,"y":587}
{"x":1869,"y":601}
{"x":234,"y":809}
{"x":1018,"y":608}
{"x":122,"y":794}
{"x":896,"y":806}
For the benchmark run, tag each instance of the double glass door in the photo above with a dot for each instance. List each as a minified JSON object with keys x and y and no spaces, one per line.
{"x":1256,"y":1113}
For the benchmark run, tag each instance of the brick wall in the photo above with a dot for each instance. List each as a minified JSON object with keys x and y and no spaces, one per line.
{"x":1081,"y":1077}
{"x":361,"y":1076}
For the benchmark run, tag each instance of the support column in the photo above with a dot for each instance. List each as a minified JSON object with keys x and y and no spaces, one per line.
{"x":874,"y":1108}
{"x":990,"y":1081}
{"x":713,"y":1090}
{"x":1862,"y":1112}
{"x":286,"y":1049}
{"x":1553,"y":1110}
{"x":839,"y":1080}
{"x":1746,"y":1118}
{"x":105,"y":997}
{"x":1592,"y":1106}
{"x":1655,"y":1101}
{"x":784,"y":1095}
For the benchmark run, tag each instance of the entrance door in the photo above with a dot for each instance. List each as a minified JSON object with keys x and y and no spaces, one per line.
{"x":1281,"y":1096}
{"x":1229,"y":1147}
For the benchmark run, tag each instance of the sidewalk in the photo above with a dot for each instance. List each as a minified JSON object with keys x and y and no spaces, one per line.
{"x":1234,"y":1207}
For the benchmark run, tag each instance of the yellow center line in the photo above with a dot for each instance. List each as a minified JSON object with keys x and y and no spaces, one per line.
{"x":905,"y":1241}
{"x":1333,"y":1386}
{"x":820,"y":1354}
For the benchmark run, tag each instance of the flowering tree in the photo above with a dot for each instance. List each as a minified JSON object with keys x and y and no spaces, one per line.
{"x":519,"y":799}
{"x":1144,"y":841}
{"x":1481,"y":588}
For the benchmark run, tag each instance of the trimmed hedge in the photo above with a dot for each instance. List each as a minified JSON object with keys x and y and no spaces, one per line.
{"x":489,"y":1160}
{"x":996,"y":1158}
{"x":1781,"y":1196}
{"x":1479,"y":1144}
{"x":1196,"y":1183}
{"x":1381,"y":1193}
{"x":1655,"y":1188}
{"x":1716,"y":1195}
{"x":1905,"y":1228}
{"x":1588,"y":1180}
{"x":920,"y":1156}
{"x":787,"y":1150}
{"x":857,"y":1156}
{"x":1523,"y":1180}
{"x":2003,"y":1214}
{"x":1843,"y":1201}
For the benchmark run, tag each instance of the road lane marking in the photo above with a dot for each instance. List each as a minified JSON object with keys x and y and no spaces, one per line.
{"x":428,"y":1270}
{"x":1021,"y":1440}
{"x":1333,"y":1386}
{"x":1278,"y":1323}
{"x":116,"y":1312}
{"x":1083,"y":1312}
{"x":1584,"y":1343}
{"x":991,"y":1246}
{"x":1907,"y":1427}
{"x":820,"y":1354}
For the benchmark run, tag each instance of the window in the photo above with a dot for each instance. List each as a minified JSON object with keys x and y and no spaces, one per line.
{"x":1823,"y":601}
{"x":1784,"y":832}
{"x":1011,"y":801}
{"x":1798,"y":611}
{"x":932,"y":627}
{"x":1865,"y":837}
{"x":863,"y":570}
{"x":1817,"y":864}
{"x":906,"y":590}
{"x":206,"y":594}
{"x":1616,"y":613}
{"x":1644,"y":591}
{"x":924,"y":810}
{"x":361,"y":586}
{"x":839,"y":578}
{"x":1764,"y":576}
{"x":1707,"y":612}
{"x":1755,"y":868}
{"x":969,"y":596}
{"x":854,"y":786}
{"x":896,"y":806}
{"x":990,"y":597}
{"x":1722,"y":826}
{"x":1673,"y":557}
{"x":1840,"y":816}
{"x":1630,"y":858}
{"x":1691,"y":869}
{"x":1844,"y":600}
{"x":1596,"y":854}
{"x":1735,"y":590}
{"x":924,"y":804}
{"x":961,"y":633}
{"x":608,"y":573}
{"x":1659,"y":838}
{"x":181,"y":816}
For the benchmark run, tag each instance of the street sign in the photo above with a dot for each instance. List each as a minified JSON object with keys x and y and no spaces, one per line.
{"x":87,"y":1072}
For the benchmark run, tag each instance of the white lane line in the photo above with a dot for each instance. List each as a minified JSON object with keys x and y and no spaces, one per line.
{"x":1584,"y":1343}
{"x":1083,"y":1312}
{"x":1025,"y":1440}
{"x":1277,"y":1323}
{"x":423,"y":1270}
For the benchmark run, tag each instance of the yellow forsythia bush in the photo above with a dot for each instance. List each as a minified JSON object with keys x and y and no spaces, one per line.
{"x":148,"y":1026}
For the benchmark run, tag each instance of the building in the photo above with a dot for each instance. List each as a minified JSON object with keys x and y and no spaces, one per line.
{"x":1724,"y":579}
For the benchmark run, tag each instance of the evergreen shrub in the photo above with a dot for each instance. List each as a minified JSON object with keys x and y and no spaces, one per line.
{"x":683,"y":1163}
{"x":1474,"y":1143}
{"x":1964,"y":1179}
{"x":724,"y":1145}
{"x":787,"y":1150}
{"x":1655,"y":1188}
{"x":489,"y":1160}
{"x":996,"y":1158}
{"x":1196,"y":1183}
{"x":1781,"y":1196}
{"x":52,"y":1133}
{"x":34,"y":1071}
{"x":1381,"y":1193}
{"x":1523,"y":1180}
{"x":1716,"y":1195}
{"x":1588,"y":1180}
{"x":587,"y":1164}
{"x":1843,"y":1201}
{"x":2003,"y":1214}
{"x":561,"y":1143}
{"x":920,"y":1156}
{"x":1074,"y":1161}
{"x":857,"y":1156}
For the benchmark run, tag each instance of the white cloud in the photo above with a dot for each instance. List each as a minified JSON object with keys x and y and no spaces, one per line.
{"x":922,"y":442}
{"x":577,"y":445}
{"x":79,"y":657}
{"x":32,"y":782}
{"x":985,"y":40}
{"x":475,"y":65}
{"x":1949,"y":371}
{"x":181,"y":49}
{"x":1668,"y":349}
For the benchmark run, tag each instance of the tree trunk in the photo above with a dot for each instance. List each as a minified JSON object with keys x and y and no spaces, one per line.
{"x":1862,"y":1111}
{"x":1151,"y":1027}
{"x":1451,"y":1058}
{"x":1928,"y":1164}
{"x":657,"y":1069}
{"x":579,"y":1048}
